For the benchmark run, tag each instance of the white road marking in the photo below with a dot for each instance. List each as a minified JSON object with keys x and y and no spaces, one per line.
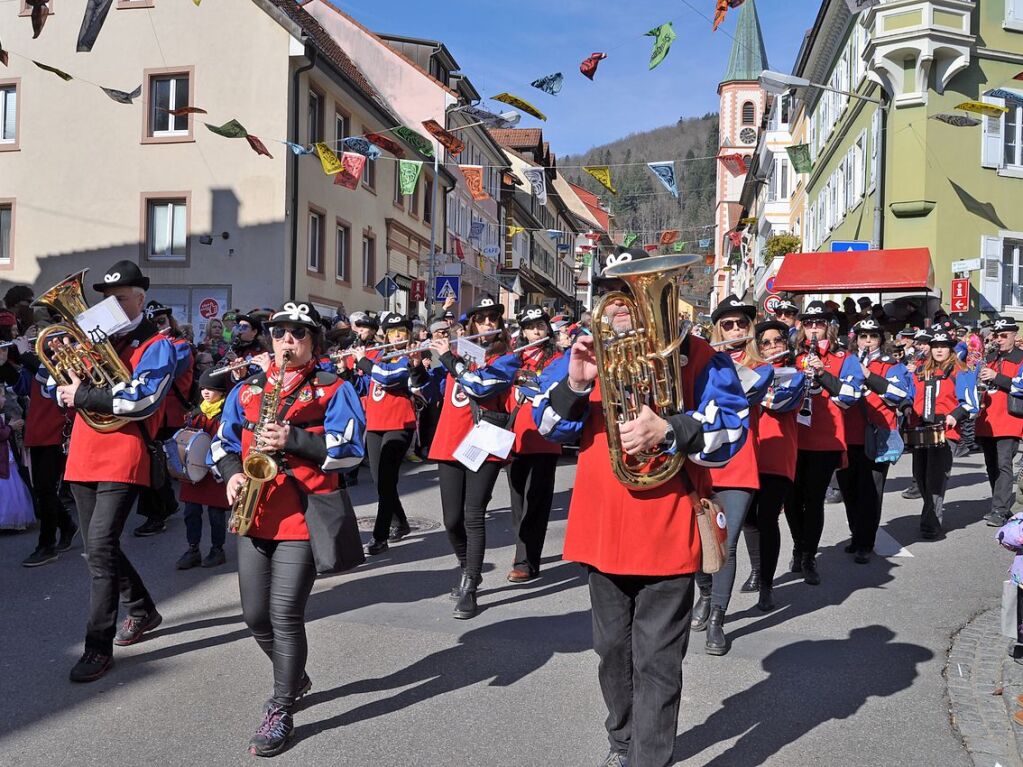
{"x":886,"y":546}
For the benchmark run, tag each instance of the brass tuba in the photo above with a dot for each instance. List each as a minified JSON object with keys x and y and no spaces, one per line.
{"x":642,"y":366}
{"x":91,"y":359}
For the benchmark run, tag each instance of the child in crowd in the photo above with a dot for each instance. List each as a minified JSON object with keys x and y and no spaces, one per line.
{"x":210,"y":491}
{"x":16,"y":511}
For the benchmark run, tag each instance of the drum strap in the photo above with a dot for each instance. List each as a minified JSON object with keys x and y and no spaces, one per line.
{"x":931,"y":389}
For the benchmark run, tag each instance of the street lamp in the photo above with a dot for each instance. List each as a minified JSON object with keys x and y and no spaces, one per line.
{"x":777,"y":83}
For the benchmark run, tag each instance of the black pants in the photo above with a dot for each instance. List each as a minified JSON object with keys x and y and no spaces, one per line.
{"x":931,"y":470}
{"x":158,"y":503}
{"x":386,"y":452}
{"x":862,"y":486}
{"x":999,"y":453}
{"x":640,"y":634}
{"x":767,"y":506}
{"x":103,"y":508}
{"x":464,"y":496}
{"x":735,"y":502}
{"x":47,"y":471}
{"x":531,"y":482}
{"x":804,"y":508}
{"x":274,"y":580}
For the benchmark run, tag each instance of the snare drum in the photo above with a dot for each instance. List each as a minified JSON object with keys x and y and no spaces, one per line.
{"x":931,"y":435}
{"x":186,"y":454}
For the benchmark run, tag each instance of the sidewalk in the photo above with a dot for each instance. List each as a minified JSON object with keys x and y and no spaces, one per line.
{"x":983,"y":682}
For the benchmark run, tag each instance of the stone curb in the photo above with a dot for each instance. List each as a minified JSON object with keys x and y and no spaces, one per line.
{"x":982,"y":683}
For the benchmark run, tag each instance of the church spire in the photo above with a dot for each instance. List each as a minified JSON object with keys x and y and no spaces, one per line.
{"x":748,"y":57}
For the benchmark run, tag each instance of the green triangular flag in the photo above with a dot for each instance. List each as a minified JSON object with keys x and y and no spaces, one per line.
{"x":59,"y":72}
{"x":630,"y":237}
{"x":679,"y":246}
{"x":417,"y":141}
{"x":799,"y":156}
{"x":665,"y":35}
{"x":408,"y":174}
{"x":232,"y":129}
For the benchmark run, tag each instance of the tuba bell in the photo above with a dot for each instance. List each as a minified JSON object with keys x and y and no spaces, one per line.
{"x":92,"y":360}
{"x":643,"y":365}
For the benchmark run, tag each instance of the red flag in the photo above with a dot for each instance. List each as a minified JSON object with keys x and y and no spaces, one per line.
{"x":593,"y":235}
{"x":184,"y":111}
{"x":735,"y":238}
{"x":1018,"y":77}
{"x":449,"y":140}
{"x":387,"y":144}
{"x":352,"y":164}
{"x":458,"y":249}
{"x":735,"y":163}
{"x":650,"y":248}
{"x":669,"y":237}
{"x":589,"y":67}
{"x":722,"y":8}
{"x":257,"y":146}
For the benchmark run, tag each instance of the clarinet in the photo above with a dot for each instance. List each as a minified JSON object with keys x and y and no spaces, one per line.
{"x":811,"y":386}
{"x":982,"y":386}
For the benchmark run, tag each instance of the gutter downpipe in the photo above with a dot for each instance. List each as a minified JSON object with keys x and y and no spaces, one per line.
{"x":878,"y":243}
{"x":310,"y":54}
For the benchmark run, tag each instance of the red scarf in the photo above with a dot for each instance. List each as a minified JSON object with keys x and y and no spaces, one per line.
{"x":293,"y":377}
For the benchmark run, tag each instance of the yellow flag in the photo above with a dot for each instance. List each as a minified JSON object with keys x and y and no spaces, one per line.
{"x":603,"y":174}
{"x":331,"y":164}
{"x":522,"y":104}
{"x":513,"y":230}
{"x":991,"y":110}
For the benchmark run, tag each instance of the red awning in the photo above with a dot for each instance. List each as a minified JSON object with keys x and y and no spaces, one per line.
{"x":864,"y":271}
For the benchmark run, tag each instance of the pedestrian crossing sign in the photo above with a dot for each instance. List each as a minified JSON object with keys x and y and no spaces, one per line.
{"x":446,"y":286}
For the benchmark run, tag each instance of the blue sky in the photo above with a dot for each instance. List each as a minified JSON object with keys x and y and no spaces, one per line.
{"x":504,"y":45}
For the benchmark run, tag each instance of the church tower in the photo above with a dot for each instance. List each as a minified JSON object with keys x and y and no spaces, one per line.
{"x":742,"y":106}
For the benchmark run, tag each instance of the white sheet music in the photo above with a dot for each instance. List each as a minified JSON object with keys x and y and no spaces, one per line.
{"x":473,"y":351}
{"x":102,"y":320}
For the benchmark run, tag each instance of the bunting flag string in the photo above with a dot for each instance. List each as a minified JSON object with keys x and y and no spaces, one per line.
{"x":629,"y":239}
{"x":665,"y":172}
{"x":447,"y":139}
{"x":513,"y":229}
{"x":550,"y":84}
{"x":958,"y":121}
{"x":679,"y":246}
{"x":473,"y":175}
{"x":257,"y":145}
{"x":122,"y":97}
{"x":589,"y":66}
{"x":979,"y":107}
{"x":1002,"y":93}
{"x":704,"y":243}
{"x":721,"y":9}
{"x":40,"y":12}
{"x":476,"y":229}
{"x":59,"y":72}
{"x":408,"y":175}
{"x":352,"y":165}
{"x":363,"y":146}
{"x":92,"y":23}
{"x":182,"y":111}
{"x":417,"y":141}
{"x":331,"y":164}
{"x":537,"y":178}
{"x":665,"y":35}
{"x":799,"y":156}
{"x":4,"y":58}
{"x":603,"y":175}
{"x":230,"y":129}
{"x":669,"y":237}
{"x":387,"y":144}
{"x":298,"y":149}
{"x":520,"y":104}
{"x":735,"y":163}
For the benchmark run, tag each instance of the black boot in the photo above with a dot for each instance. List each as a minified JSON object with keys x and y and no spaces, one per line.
{"x":717,"y":644}
{"x":456,"y":590}
{"x":752,"y":583}
{"x":701,"y":612}
{"x":796,"y":565}
{"x":465,"y":607}
{"x":766,"y":603}
{"x":809,"y":567}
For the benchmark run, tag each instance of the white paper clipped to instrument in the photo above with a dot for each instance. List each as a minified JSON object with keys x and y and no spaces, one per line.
{"x":105,"y":318}
{"x":484,"y":439}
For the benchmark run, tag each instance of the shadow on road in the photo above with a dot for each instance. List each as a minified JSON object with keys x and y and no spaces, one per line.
{"x":809,"y":683}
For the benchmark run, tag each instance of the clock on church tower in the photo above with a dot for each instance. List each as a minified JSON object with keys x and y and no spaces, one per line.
{"x":748,"y":136}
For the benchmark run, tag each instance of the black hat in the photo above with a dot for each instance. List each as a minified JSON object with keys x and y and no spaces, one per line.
{"x":254,"y":321}
{"x":731,"y":304}
{"x":217,"y":383}
{"x":763,"y":327}
{"x":486,"y":303}
{"x":394,"y":320}
{"x":620,"y":256}
{"x":864,"y":301}
{"x":785,"y":306}
{"x":1004,"y":323}
{"x":922,"y":336}
{"x":293,"y":313}
{"x":868,"y":325}
{"x":907,"y":333}
{"x":815,"y":310}
{"x":449,"y":315}
{"x":364,"y":320}
{"x":17,"y":294}
{"x":987,"y":322}
{"x":123,"y":274}
{"x":155,"y":308}
{"x":943,"y":338}
{"x":532,"y":313}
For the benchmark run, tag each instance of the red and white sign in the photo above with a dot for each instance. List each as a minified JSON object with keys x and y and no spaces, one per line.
{"x":209,"y":308}
{"x":770,"y":284}
{"x":771,"y":303}
{"x":418,"y":292}
{"x":960,"y":296}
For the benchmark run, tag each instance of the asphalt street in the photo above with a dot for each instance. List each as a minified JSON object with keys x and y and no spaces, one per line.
{"x":847,"y":673}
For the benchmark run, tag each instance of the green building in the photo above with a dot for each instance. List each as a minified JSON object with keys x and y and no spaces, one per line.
{"x":900,"y":175}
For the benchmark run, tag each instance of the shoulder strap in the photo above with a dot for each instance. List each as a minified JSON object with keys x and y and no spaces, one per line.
{"x":289,"y":401}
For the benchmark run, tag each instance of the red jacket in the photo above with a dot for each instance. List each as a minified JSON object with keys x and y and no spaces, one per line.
{"x":946,"y":402}
{"x":778,"y":436}
{"x":208,"y":491}
{"x":45,"y":420}
{"x":177,"y":406}
{"x":527,"y":436}
{"x":871,"y":408}
{"x":827,"y":424}
{"x":994,"y":419}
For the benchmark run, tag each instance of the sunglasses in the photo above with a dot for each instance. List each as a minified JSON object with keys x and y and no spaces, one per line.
{"x":279,"y":332}
{"x":486,"y":316}
{"x":243,"y":326}
{"x":161,"y":320}
{"x":815,"y":324}
{"x":772,"y":341}
{"x":868,"y":335}
{"x":742,"y":324}
{"x":1003,"y":334}
{"x":787,"y":313}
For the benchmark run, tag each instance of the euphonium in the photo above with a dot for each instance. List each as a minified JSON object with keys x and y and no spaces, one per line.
{"x":258,"y":467}
{"x":642,"y":366}
{"x":91,"y":359}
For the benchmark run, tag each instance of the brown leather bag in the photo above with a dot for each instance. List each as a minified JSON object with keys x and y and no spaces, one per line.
{"x":713,"y":530}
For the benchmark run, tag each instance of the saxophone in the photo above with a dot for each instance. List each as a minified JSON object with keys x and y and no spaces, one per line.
{"x":259,"y":467}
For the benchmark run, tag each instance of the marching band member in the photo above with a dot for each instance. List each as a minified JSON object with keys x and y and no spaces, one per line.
{"x":245,"y":344}
{"x":872,"y":437}
{"x":209,"y":491}
{"x":945,"y":395}
{"x":318,"y":432}
{"x":470,"y":397}
{"x":390,"y":426}
{"x":786,"y":313}
{"x":998,"y":429}
{"x":737,"y":483}
{"x":107,"y":469}
{"x":641,"y":547}
{"x":778,"y":439}
{"x":834,"y":379}
{"x":535,"y":459}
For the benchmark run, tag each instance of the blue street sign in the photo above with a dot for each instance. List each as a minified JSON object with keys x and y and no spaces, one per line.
{"x":386,"y":287}
{"x":844,"y":246}
{"x":445,"y":286}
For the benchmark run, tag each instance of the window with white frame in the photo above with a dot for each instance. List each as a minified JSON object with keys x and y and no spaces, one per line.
{"x":342,"y":246}
{"x":369,"y":174}
{"x":314,"y":261}
{"x":1014,"y":15}
{"x":6,"y":220}
{"x":399,"y":198}
{"x":8,"y":114}
{"x":368,"y":261}
{"x":1012,"y":140}
{"x":340,"y":131}
{"x":859,"y":164}
{"x":850,"y":178}
{"x":1012,"y":273}
{"x":841,"y":192}
{"x":167,"y":230}
{"x":779,"y":186}
{"x":168,"y":93}
{"x":875,"y":154}
{"x":315,"y":117}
